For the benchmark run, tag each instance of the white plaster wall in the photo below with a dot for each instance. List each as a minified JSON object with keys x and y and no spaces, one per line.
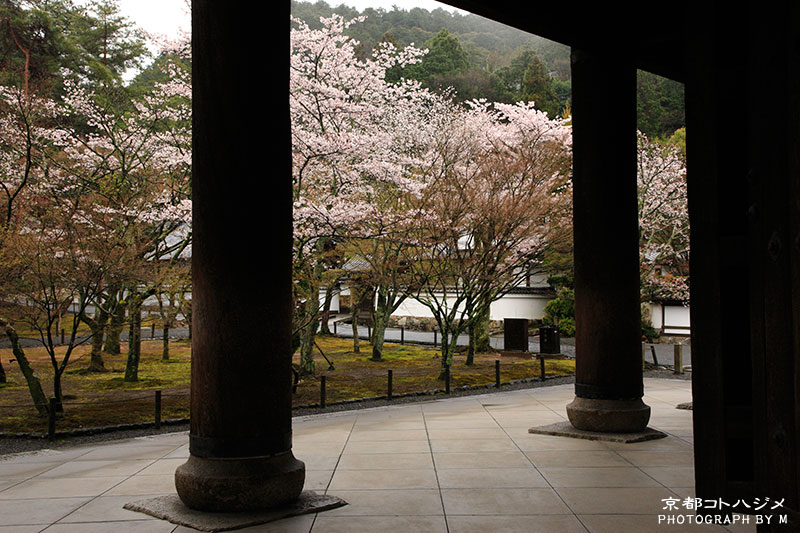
{"x":518,"y":306}
{"x":655,"y":314}
{"x":674,"y":315}
{"x":412,"y":307}
{"x":509,"y":306}
{"x":538,"y":279}
{"x":334,"y":301}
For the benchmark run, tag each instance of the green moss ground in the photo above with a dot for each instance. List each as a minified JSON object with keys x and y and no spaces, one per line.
{"x":102,"y":399}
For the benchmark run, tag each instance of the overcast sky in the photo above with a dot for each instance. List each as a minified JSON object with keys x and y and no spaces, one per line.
{"x":170,"y":17}
{"x":167,"y":16}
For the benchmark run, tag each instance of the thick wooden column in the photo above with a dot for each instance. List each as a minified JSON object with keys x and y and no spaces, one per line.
{"x":774,"y":248}
{"x":744,"y":206}
{"x":720,"y":267}
{"x":608,"y":383}
{"x":240,"y":437}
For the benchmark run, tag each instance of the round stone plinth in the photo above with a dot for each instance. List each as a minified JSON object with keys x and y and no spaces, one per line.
{"x":240,"y":484}
{"x":608,"y":416}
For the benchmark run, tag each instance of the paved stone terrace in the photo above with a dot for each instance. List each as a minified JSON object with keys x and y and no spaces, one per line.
{"x":455,"y":465}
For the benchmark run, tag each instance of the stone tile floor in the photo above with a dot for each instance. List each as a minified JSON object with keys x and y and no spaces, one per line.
{"x":457,"y":465}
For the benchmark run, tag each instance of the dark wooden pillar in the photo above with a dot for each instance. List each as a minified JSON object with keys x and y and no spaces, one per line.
{"x":240,"y":437}
{"x":608,"y":382}
{"x":717,"y":185}
{"x":774,"y":235}
{"x":744,"y":203}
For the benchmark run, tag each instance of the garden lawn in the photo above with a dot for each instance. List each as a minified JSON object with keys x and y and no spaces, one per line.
{"x":414,"y":368}
{"x":104,"y":399}
{"x":96,"y":399}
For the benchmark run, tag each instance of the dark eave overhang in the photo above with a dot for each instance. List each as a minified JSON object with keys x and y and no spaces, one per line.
{"x":652,"y":37}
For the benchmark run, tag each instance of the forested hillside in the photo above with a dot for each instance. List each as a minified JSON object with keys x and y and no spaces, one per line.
{"x":481,"y":58}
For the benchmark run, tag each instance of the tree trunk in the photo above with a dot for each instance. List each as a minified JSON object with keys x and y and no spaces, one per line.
{"x":34,"y":385}
{"x":134,"y":342}
{"x":165,"y":343}
{"x":354,"y":316}
{"x":326,"y":312}
{"x":2,"y":373}
{"x":114,"y":330}
{"x":471,"y":347}
{"x":307,"y":337}
{"x":381,"y":315}
{"x":96,"y":363}
{"x":482,"y":325}
{"x":478,"y":331}
{"x":448,"y":349}
{"x":57,"y":392}
{"x":378,"y":332}
{"x":98,"y":327}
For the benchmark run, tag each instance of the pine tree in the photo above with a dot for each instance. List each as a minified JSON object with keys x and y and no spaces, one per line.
{"x":538,"y":88}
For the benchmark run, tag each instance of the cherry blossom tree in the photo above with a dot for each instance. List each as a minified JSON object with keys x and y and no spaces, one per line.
{"x":383,"y":238}
{"x":135,"y":160}
{"x":26,"y":137}
{"x":62,"y":255}
{"x":95,"y":187}
{"x":345,"y":134}
{"x":414,"y":184}
{"x":663,"y":221}
{"x":497,"y":196}
{"x":92,"y":197}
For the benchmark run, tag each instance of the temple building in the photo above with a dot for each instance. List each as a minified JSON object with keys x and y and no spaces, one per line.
{"x":743,"y":166}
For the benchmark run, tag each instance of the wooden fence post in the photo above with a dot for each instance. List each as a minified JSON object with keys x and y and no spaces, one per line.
{"x":158,"y":409}
{"x":678,"y":359}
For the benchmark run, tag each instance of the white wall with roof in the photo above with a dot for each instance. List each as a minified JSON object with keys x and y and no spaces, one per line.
{"x":671,"y":319}
{"x":513,"y":305}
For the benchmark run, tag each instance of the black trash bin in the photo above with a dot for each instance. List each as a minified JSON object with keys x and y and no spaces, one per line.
{"x":549,"y":340}
{"x":515,"y":334}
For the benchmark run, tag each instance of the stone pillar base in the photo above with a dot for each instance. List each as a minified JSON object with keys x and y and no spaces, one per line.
{"x":240,"y":484}
{"x":608,"y":416}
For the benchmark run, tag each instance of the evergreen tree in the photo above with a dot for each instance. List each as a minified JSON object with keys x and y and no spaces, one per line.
{"x":476,"y":83}
{"x":445,"y":57}
{"x":33,"y":45}
{"x":660,"y":106}
{"x":39,"y":39}
{"x":513,"y":74}
{"x":112,"y":43}
{"x":537,"y":87}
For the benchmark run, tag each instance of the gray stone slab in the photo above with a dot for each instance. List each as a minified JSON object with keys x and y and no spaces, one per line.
{"x":565,"y":429}
{"x":172,"y":509}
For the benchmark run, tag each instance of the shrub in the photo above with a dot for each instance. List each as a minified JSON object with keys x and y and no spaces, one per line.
{"x":560,"y":311}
